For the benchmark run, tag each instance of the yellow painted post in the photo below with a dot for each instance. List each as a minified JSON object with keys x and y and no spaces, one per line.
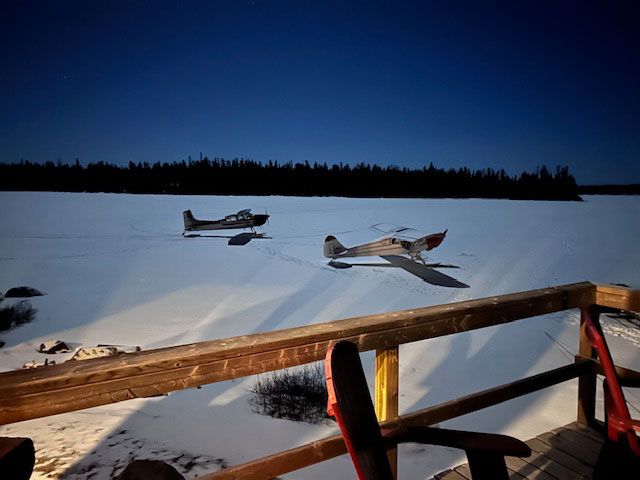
{"x":387,"y":392}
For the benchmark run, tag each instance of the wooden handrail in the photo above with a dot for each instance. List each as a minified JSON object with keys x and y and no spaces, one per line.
{"x":626,"y":376}
{"x":615,"y":296}
{"x":26,"y":394}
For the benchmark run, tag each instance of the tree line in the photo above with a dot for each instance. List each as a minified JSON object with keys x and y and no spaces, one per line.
{"x":247,"y":177}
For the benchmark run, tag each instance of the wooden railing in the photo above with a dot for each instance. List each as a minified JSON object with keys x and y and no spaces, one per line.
{"x":26,"y":394}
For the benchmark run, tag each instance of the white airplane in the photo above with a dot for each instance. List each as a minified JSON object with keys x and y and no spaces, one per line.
{"x":400,"y":248}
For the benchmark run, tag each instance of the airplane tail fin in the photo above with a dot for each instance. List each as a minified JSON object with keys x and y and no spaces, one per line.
{"x":189,"y":219}
{"x":332,"y":247}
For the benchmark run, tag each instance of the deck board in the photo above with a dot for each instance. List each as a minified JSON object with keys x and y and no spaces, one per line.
{"x":449,"y":475}
{"x":567,"y":453}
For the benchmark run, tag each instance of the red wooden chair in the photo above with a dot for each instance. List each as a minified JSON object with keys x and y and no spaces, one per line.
{"x":351,"y":405}
{"x":620,"y":426}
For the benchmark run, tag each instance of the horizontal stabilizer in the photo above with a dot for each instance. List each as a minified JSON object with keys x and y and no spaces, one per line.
{"x":336,"y":264}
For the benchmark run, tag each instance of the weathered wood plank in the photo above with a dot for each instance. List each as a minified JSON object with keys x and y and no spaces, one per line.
{"x":449,"y":475}
{"x":587,"y":383}
{"x":560,"y":457}
{"x":465,"y":471}
{"x":438,"y":320}
{"x":513,"y":475}
{"x":552,"y":468}
{"x":591,"y":433}
{"x":551,"y":459}
{"x":76,"y":385}
{"x":582,"y":451}
{"x":618,"y":297}
{"x":526,"y":469}
{"x":594,"y":446}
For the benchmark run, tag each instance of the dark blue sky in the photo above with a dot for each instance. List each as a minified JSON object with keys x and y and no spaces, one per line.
{"x":508,"y":85}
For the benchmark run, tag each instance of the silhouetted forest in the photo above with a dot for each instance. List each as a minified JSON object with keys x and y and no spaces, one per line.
{"x":247,"y":177}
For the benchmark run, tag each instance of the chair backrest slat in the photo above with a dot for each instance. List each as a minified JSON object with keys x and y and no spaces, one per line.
{"x":350,"y":403}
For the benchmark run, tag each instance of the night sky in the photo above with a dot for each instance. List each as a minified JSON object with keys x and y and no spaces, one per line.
{"x":510,"y":85}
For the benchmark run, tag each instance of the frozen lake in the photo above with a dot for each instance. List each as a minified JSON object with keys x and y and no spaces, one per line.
{"x":116,"y":270}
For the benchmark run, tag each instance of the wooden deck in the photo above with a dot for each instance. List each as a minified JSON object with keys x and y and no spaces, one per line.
{"x":566,"y":453}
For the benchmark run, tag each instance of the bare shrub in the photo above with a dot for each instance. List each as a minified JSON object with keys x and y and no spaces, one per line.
{"x":17,"y":314}
{"x":295,"y":394}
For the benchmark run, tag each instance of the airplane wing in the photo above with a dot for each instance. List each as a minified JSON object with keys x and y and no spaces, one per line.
{"x":388,"y":229}
{"x":397,"y":231}
{"x":244,"y":238}
{"x":239,"y":240}
{"x":424,"y":272}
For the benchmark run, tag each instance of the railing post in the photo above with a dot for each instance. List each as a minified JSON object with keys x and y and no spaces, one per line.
{"x":387,"y":392}
{"x":587,"y":381}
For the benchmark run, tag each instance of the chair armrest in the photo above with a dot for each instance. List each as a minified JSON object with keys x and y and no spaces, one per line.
{"x":622,"y":424}
{"x":481,"y":442}
{"x":629,"y":382}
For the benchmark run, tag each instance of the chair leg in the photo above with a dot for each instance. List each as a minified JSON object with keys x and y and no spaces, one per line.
{"x":485,"y":466}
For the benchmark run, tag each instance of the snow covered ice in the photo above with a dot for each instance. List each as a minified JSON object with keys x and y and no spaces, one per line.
{"x":115,"y":269}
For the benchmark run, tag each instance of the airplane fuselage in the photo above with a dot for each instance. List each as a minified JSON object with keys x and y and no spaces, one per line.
{"x":227,"y":223}
{"x":384,"y":246}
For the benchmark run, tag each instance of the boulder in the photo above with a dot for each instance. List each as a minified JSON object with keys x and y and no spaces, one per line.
{"x":54,"y":346}
{"x":149,"y":470}
{"x":17,"y":292}
{"x":88,"y":353}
